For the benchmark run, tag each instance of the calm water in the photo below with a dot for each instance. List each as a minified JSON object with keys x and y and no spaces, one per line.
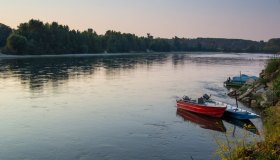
{"x":115,"y":107}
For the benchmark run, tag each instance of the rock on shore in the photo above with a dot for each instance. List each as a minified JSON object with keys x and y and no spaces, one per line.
{"x":256,"y":94}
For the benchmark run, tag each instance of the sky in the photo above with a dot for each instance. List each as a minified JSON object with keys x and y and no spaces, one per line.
{"x":245,"y":19}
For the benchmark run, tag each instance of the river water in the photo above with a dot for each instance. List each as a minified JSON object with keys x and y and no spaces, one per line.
{"x":116,"y":106}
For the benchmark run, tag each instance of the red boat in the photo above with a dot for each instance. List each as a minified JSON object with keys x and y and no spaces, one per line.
{"x":201,"y":106}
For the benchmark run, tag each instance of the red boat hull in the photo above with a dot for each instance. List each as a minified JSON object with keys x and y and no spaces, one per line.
{"x":201,"y":109}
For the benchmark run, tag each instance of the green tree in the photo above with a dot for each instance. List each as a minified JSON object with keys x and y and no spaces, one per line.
{"x":273,"y":45}
{"x":160,"y":45}
{"x":5,"y":31}
{"x":176,"y":44}
{"x":16,"y":44}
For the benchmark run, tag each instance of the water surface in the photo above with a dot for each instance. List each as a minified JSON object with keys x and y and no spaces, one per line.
{"x":116,"y":107}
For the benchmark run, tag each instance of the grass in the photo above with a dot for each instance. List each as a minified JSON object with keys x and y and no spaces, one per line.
{"x":230,"y":148}
{"x":269,"y":149}
{"x":272,"y":65}
{"x":276,"y":86}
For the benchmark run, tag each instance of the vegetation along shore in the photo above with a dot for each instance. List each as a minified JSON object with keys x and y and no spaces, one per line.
{"x":36,"y":37}
{"x":264,"y":95}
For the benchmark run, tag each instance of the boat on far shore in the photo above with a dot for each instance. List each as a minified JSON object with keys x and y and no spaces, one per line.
{"x":238,"y":81}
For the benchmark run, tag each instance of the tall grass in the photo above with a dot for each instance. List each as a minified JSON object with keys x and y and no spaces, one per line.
{"x":234,"y":148}
{"x":269,"y":149}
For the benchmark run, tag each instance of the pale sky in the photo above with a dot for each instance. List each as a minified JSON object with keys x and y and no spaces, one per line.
{"x":246,"y":19}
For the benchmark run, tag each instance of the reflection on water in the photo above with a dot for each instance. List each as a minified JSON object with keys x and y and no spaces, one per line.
{"x":216,"y":124}
{"x":206,"y":122}
{"x":35,"y":72}
{"x":244,"y":124}
{"x":113,"y":106}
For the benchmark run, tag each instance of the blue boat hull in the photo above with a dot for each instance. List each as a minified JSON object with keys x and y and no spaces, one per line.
{"x":233,"y":84}
{"x":239,"y":115}
{"x":235,"y":112}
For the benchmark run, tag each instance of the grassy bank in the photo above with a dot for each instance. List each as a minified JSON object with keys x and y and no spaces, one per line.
{"x":269,"y":149}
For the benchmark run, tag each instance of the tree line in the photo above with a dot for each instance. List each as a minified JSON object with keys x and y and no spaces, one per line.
{"x":36,"y":37}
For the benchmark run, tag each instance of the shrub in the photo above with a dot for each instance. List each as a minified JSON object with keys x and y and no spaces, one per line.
{"x":272,"y":65}
{"x":16,"y":43}
{"x":276,"y":86}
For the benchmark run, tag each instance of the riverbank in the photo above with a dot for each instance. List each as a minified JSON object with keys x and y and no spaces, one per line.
{"x":264,"y":95}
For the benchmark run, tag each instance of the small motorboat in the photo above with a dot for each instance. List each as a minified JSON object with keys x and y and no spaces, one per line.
{"x":239,"y":113}
{"x":201,"y":106}
{"x":238,"y":81}
{"x":203,"y":121}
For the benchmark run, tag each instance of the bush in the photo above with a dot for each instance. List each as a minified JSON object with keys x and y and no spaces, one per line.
{"x":276,"y":86}
{"x":16,"y":43}
{"x":263,"y":80}
{"x":272,"y":65}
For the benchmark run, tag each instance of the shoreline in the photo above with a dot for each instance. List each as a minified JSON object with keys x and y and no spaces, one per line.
{"x":12,"y":56}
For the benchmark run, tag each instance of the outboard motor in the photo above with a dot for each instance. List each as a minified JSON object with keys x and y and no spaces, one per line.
{"x":206,"y":96}
{"x":186,"y":98}
{"x":200,"y":100}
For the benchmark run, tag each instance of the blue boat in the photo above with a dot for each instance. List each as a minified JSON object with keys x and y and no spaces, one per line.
{"x":239,"y":113}
{"x":239,"y":80}
{"x":232,"y":111}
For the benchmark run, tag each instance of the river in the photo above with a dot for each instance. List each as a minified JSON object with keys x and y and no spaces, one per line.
{"x":116,"y":106}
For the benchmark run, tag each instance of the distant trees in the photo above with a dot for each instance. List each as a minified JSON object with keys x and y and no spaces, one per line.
{"x":55,"y":39}
{"x":5,"y":31}
{"x":36,"y":37}
{"x":273,"y":45}
{"x":160,"y":45}
{"x":123,"y":42}
{"x":176,"y":44}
